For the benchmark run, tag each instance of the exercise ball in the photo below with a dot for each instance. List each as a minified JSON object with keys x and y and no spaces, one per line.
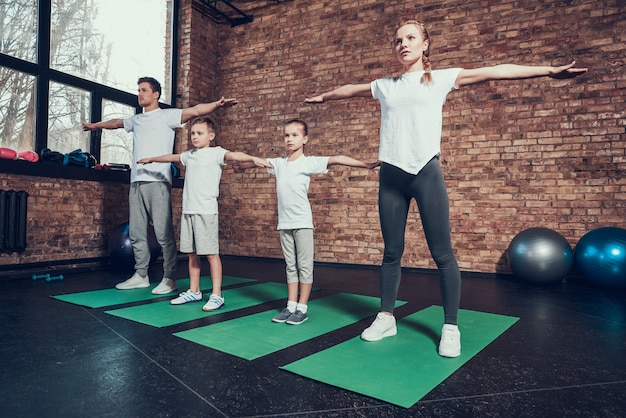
{"x":600,"y":257}
{"x":121,"y":254}
{"x":540,"y":256}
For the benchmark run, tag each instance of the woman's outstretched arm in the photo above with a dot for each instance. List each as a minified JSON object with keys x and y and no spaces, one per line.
{"x":516,"y":72}
{"x":343,"y":92}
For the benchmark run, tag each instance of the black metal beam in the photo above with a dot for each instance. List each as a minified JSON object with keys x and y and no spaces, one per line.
{"x":235,"y":18}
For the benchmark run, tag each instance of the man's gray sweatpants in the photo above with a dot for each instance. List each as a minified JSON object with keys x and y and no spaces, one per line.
{"x":152,"y":201}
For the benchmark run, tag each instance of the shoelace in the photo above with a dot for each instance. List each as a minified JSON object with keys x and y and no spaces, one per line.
{"x":378,"y":323}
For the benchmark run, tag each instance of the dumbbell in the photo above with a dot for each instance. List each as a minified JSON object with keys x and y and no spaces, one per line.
{"x":47,"y":276}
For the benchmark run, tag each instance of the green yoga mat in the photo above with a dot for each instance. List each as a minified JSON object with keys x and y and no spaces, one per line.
{"x":403,"y":368}
{"x":110,"y":297}
{"x":163,"y":314}
{"x":256,"y":335}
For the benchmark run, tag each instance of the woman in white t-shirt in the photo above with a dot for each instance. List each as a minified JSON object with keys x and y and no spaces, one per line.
{"x":410,"y":136}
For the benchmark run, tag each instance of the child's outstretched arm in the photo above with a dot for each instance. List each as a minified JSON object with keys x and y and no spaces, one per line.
{"x":206,"y":108}
{"x":244,"y":160}
{"x":108,"y":124}
{"x":351,"y":162}
{"x":343,"y":92}
{"x":167,"y":158}
{"x":516,"y":72}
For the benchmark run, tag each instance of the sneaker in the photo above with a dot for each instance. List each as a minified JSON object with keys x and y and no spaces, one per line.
{"x":187,"y":296}
{"x":215,"y":302}
{"x":166,"y":286}
{"x":297,"y":318}
{"x":450,"y":344}
{"x":282,"y":316}
{"x":134,"y":282}
{"x":383,"y":326}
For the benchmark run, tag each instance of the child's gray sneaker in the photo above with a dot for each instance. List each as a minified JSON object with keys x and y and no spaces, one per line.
{"x":282,"y":316}
{"x":297,"y":318}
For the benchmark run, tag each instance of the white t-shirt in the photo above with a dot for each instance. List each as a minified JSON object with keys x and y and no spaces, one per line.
{"x":153,"y":134}
{"x":292,"y":189}
{"x":411,"y":117}
{"x":202,"y":179}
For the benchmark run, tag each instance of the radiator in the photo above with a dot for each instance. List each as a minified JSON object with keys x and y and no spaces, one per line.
{"x":13,"y":220}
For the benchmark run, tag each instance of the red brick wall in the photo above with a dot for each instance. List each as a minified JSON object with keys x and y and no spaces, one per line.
{"x":70,"y":219}
{"x":518,"y":154}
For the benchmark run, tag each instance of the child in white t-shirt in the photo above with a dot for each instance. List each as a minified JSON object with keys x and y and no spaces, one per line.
{"x":199,"y":232}
{"x":295,"y":219}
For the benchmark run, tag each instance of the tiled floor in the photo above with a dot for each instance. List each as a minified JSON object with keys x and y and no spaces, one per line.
{"x":565,"y":357}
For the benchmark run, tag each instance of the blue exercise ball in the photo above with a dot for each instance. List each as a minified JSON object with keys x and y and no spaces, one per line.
{"x":600,"y":257}
{"x":121,"y":254}
{"x":540,"y":256}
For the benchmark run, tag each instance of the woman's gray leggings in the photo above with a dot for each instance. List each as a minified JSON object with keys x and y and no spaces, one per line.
{"x":397,"y":188}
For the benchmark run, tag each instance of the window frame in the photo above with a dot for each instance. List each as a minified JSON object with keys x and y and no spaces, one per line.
{"x":97,"y":92}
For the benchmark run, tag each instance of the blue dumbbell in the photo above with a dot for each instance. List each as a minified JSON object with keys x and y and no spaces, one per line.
{"x":47,"y":276}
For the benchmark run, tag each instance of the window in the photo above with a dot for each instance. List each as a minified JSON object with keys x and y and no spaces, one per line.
{"x":18,"y":30}
{"x":117,"y":143}
{"x":68,"y":107}
{"x":17,"y":103}
{"x":111,"y":42}
{"x":64,"y":62}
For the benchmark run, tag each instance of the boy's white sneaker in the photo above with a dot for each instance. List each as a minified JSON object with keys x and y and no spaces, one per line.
{"x":187,"y":296}
{"x":383,"y":326}
{"x":134,"y":282}
{"x":166,"y":286}
{"x":215,"y":302}
{"x":450,"y":344}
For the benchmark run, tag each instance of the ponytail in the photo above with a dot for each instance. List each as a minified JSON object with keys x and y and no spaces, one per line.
{"x":427,"y":77}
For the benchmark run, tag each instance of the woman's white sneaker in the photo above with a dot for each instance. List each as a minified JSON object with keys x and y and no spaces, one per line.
{"x":383,"y":326}
{"x":450,"y":344}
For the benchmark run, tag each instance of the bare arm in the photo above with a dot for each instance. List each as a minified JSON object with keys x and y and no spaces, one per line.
{"x":108,"y":124}
{"x":516,"y":72}
{"x":206,"y":108}
{"x":351,"y":162}
{"x":244,"y":160}
{"x":167,"y":158}
{"x":343,"y":92}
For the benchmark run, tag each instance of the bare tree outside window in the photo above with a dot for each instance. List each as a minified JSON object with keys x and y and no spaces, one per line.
{"x":117,"y":145}
{"x":108,"y":42}
{"x":17,"y":121}
{"x":18,"y":28}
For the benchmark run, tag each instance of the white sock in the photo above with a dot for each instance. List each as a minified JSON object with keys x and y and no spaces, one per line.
{"x":302,"y":308}
{"x":291,"y":305}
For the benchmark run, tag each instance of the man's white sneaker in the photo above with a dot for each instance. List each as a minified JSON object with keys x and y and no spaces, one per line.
{"x":187,"y":296}
{"x":383,"y":326}
{"x":166,"y":286}
{"x":450,"y":344}
{"x":134,"y":282}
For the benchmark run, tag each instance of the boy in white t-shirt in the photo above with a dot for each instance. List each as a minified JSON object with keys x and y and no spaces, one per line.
{"x":199,"y":232}
{"x":149,"y":195}
{"x":295,"y":219}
